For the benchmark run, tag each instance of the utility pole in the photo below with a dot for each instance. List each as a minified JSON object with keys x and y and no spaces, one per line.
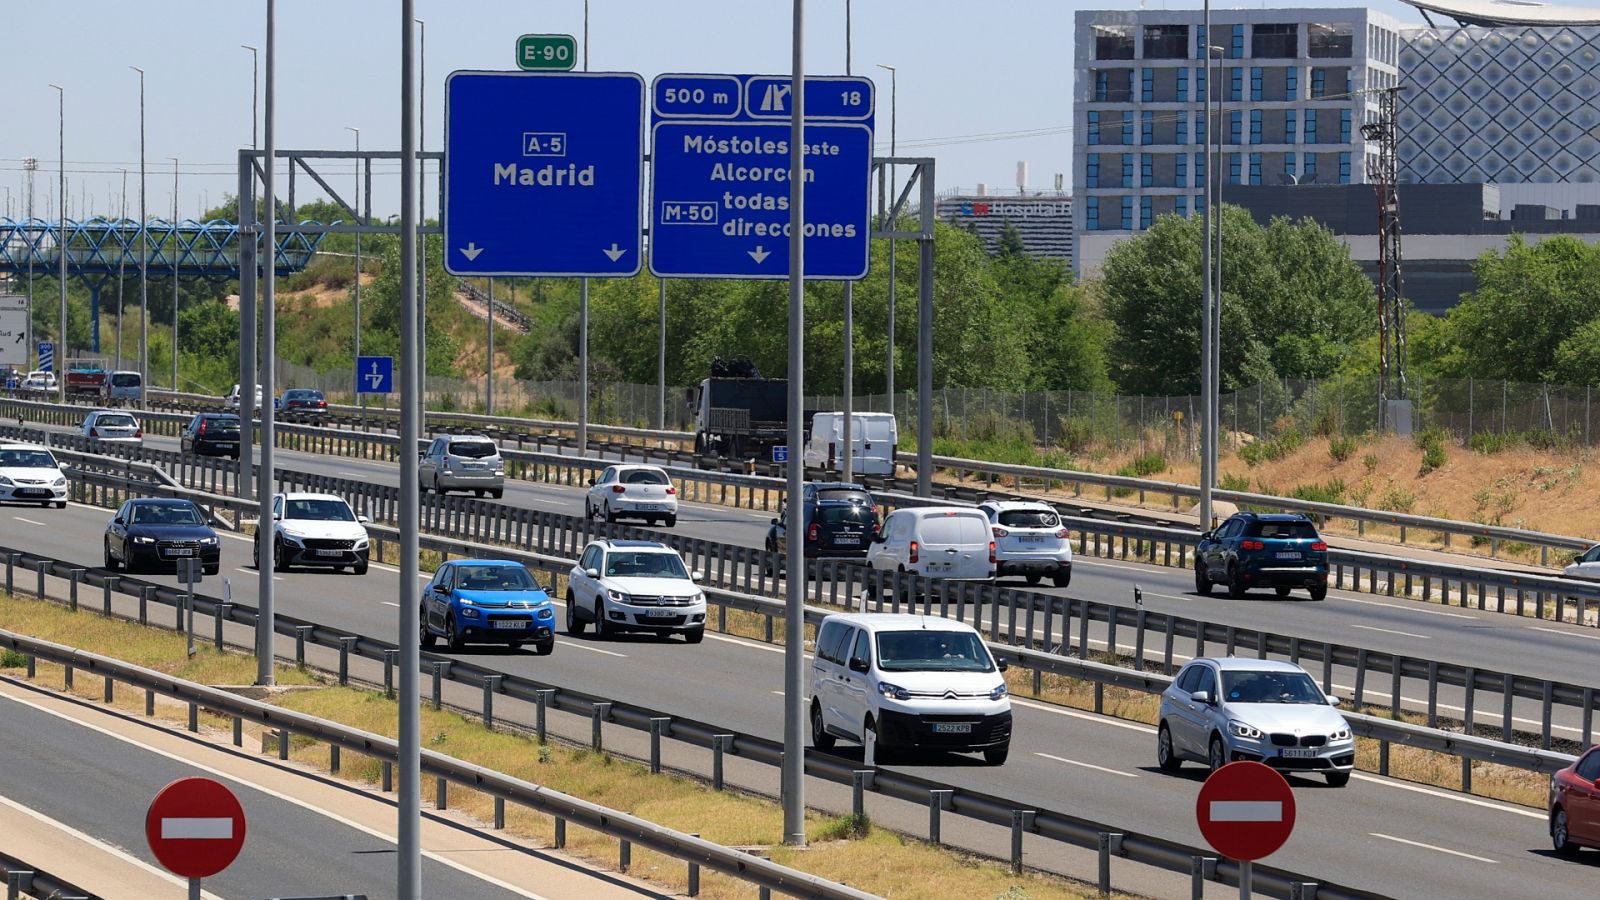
{"x":255,"y":92}
{"x":1208,"y":419}
{"x":889,"y":223}
{"x":266,"y":556}
{"x":61,"y":242}
{"x":144,"y":262}
{"x":30,"y":165}
{"x":1383,"y":173}
{"x":361,"y":219}
{"x":489,"y":392}
{"x":122,"y":261}
{"x":409,"y":826}
{"x":847,"y":463}
{"x":422,"y":217}
{"x":794,"y":711}
{"x":174,"y":252}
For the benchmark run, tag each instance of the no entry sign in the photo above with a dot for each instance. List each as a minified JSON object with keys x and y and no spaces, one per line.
{"x":195,"y":827}
{"x":1245,"y":810}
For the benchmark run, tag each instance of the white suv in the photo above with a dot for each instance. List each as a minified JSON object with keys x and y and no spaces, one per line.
{"x":1029,"y":540}
{"x":31,"y":474}
{"x":462,"y":462}
{"x":633,"y":491}
{"x":908,"y":682}
{"x":634,"y":586}
{"x":316,"y":530}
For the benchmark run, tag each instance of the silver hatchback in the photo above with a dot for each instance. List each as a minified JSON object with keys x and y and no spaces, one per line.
{"x":1221,"y":710}
{"x":462,"y":462}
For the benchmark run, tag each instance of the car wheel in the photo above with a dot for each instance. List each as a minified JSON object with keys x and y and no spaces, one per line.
{"x":360,"y":568}
{"x":436,"y":489}
{"x":602,"y":629}
{"x":1202,"y":584}
{"x":111,"y":562}
{"x":610,"y":516}
{"x":280,"y":557}
{"x":1560,"y":838}
{"x":1338,"y":779}
{"x":996,"y":756}
{"x":1282,"y":592}
{"x":497,"y":493}
{"x":1219,"y":753}
{"x":212,"y":570}
{"x":61,"y":504}
{"x":695,"y":636}
{"x":1319,"y":592}
{"x":820,"y":738}
{"x":544,"y":648}
{"x":1032,"y":579}
{"x":427,"y":635}
{"x":452,"y":638}
{"x":255,"y":553}
{"x":480,"y":494}
{"x":1061,"y":579}
{"x":1235,"y":583}
{"x":672,"y":521}
{"x":575,"y":625}
{"x":1166,"y":757}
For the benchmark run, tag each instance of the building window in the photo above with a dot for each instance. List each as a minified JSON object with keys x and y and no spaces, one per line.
{"x":1183,"y":85}
{"x":1255,"y":82}
{"x":1180,"y":205}
{"x":1235,"y":168}
{"x":1288,"y":165}
{"x":1255,"y":168}
{"x":1236,"y":89}
{"x":1180,"y":169}
{"x":1199,"y":171}
{"x":1199,"y":128}
{"x":1127,"y":213}
{"x":1182,"y":136}
{"x":1113,"y":85}
{"x":1166,"y":41}
{"x":1344,"y":167}
{"x":1147,"y":85}
{"x":1127,"y":127}
{"x":1275,"y":41}
{"x":1255,"y":126}
{"x":1309,"y":164}
{"x":1319,"y":83}
{"x":1199,"y":204}
{"x":1094,"y":129}
{"x":1092,"y":213}
{"x":1200,"y":42}
{"x":1147,"y":127}
{"x":1236,"y":46}
{"x":1289,"y":134}
{"x":1344,"y":126}
{"x":1291,"y":83}
{"x":1311,"y":126}
{"x":1145,"y":209}
{"x":1147,"y":170}
{"x":1127,"y":170}
{"x":1329,"y":41}
{"x":1113,"y":42}
{"x":1091,"y":170}
{"x":1236,"y":127}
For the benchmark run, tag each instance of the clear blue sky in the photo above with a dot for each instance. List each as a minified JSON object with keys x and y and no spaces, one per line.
{"x":975,"y":78}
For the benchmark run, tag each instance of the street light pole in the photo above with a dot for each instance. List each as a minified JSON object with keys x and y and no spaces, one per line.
{"x":122,"y":260}
{"x":144,"y":263}
{"x":794,"y":711}
{"x":489,"y":396}
{"x":422,"y":217}
{"x":409,"y":826}
{"x":61,"y":240}
{"x":361,"y":399}
{"x":255,"y":91}
{"x":889,"y":371}
{"x":1208,"y":420}
{"x":174,"y":252}
{"x":266,"y":485}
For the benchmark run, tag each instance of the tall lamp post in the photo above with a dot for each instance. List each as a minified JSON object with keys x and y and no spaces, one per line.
{"x":144,"y":262}
{"x":409,"y":825}
{"x":255,"y":92}
{"x":893,"y":97}
{"x":422,"y":218}
{"x":361,"y":399}
{"x":174,"y":261}
{"x":61,"y":239}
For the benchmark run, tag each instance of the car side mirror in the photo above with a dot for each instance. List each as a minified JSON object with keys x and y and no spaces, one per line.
{"x":591,"y":482}
{"x":592,"y":573}
{"x":1206,"y":536}
{"x":774,"y":521}
{"x":1001,"y":664}
{"x":857,"y":664}
{"x":1335,"y":701}
{"x":1201,"y":697}
{"x":696,"y":575}
{"x":365,"y":520}
{"x":117,"y":521}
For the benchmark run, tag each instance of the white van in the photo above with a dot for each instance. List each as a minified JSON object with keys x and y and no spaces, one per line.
{"x":936,"y":541}
{"x":907,"y":682}
{"x":875,"y":437}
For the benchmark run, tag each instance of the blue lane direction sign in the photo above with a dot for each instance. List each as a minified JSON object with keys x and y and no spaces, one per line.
{"x":720,"y":176}
{"x":780,"y":453}
{"x":543,"y":173}
{"x":47,"y":356}
{"x":374,"y":374}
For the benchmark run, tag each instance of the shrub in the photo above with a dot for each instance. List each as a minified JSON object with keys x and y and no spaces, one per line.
{"x":845,"y":828}
{"x":1273,"y":450}
{"x":1490,"y":441}
{"x":1431,"y":442}
{"x":11,"y":659}
{"x":1541,"y":439}
{"x":1231,"y":482}
{"x":1327,"y":423}
{"x":1370,"y":461}
{"x":1397,"y":499}
{"x":1332,"y":492}
{"x":1342,"y":448}
{"x":1144,"y":466}
{"x":1076,"y":433}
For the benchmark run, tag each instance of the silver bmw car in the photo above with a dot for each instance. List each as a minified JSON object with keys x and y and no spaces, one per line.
{"x":1219,"y":711}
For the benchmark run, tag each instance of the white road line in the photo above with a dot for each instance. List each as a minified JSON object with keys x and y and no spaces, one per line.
{"x":1409,"y":634}
{"x":1398,"y":840}
{"x":779,"y":693}
{"x":352,"y":475}
{"x":1073,"y":762}
{"x":1449,"y":795}
{"x":295,"y":801}
{"x":1587,"y":637}
{"x":1075,"y":714}
{"x":29,"y":521}
{"x":1412,"y":607}
{"x":100,"y":845}
{"x":583,"y":646}
{"x":391,"y":603}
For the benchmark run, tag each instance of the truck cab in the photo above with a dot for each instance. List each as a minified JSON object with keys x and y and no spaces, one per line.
{"x":736,"y":412}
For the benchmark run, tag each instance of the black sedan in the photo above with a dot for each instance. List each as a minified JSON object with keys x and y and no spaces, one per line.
{"x":154,"y":532}
{"x":211,"y":434}
{"x":303,"y":403}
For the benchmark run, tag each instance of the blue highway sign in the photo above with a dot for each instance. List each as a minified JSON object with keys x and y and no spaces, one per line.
{"x":543,"y":173}
{"x":374,"y":374}
{"x":780,"y":453}
{"x":719,"y":205}
{"x":47,"y":356}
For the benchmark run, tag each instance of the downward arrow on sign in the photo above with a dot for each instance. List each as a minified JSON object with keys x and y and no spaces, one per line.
{"x":758,"y":254}
{"x":471,"y":251}
{"x":613,"y":252}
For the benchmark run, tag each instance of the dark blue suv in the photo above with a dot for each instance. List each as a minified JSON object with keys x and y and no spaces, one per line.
{"x":1251,"y":550}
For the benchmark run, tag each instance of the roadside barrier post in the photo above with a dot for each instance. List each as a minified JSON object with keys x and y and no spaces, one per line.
{"x":938,"y":801}
{"x":658,"y":726}
{"x":860,"y":781}
{"x":598,"y":714}
{"x":491,"y":684}
{"x":542,"y":699}
{"x":74,"y":575}
{"x":110,"y":584}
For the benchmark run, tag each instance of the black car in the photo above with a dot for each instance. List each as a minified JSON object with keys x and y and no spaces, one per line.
{"x":155,"y":532}
{"x":211,"y":434}
{"x":303,"y":403}
{"x":1251,"y":550}
{"x":841,"y":520}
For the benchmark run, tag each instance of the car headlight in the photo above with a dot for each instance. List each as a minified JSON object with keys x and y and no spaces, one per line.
{"x":468,"y":611}
{"x":61,"y":482}
{"x":1342,"y":734}
{"x":141,"y":539}
{"x":208,"y":541}
{"x":361,"y":544}
{"x":1000,"y":691}
{"x":1240,"y":729}
{"x":893,"y":691}
{"x":291,"y":538}
{"x":6,"y":481}
{"x":546,"y":612}
{"x":466,"y":602}
{"x":616,"y":596}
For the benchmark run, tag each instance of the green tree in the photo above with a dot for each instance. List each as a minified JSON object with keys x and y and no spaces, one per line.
{"x":1010,"y":240}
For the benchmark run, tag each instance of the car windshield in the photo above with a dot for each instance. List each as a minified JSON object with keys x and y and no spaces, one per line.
{"x":164,"y":514}
{"x":1282,"y":530}
{"x":125,"y":379}
{"x":645,"y":565}
{"x":932,"y":651}
{"x":324,"y":510}
{"x":116,"y":420}
{"x":848,"y":495}
{"x":1248,"y":686}
{"x":472,"y":449}
{"x":27,"y":459}
{"x":1029,"y":518}
{"x":494,"y":578}
{"x":643,"y":476}
{"x":840,"y":514}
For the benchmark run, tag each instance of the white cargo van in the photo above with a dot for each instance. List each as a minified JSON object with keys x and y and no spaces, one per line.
{"x":875,"y":437}
{"x":936,"y":541}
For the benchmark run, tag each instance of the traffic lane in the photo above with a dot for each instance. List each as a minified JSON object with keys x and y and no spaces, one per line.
{"x":738,"y":684}
{"x":102,"y":786}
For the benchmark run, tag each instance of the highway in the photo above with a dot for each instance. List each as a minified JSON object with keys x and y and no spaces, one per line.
{"x":1384,"y":835}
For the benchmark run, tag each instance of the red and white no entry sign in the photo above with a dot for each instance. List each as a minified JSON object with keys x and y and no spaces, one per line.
{"x":1245,"y":810}
{"x":195,"y":827}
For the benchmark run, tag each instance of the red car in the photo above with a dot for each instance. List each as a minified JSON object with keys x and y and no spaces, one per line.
{"x":1575,"y":804}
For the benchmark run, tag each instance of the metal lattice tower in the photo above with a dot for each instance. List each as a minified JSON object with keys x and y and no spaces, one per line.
{"x":1383,"y":172}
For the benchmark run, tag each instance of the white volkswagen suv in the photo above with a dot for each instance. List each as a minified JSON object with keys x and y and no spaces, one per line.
{"x":316,"y":530}
{"x":634,"y":586}
{"x":30,"y":474}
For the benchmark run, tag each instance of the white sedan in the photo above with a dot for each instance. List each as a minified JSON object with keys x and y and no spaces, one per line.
{"x":632,"y":492}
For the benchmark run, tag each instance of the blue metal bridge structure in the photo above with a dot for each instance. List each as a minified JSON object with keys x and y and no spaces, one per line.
{"x":99,"y":249}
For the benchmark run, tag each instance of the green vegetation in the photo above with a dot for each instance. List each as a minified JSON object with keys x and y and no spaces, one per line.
{"x":1431,"y":442}
{"x":1342,"y":448}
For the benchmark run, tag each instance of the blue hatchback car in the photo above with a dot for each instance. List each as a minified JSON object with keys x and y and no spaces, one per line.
{"x":487,"y":601}
{"x":1260,"y":550}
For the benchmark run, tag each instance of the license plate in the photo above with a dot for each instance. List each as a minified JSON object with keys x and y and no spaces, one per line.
{"x":330,"y":552}
{"x":1298,"y":753}
{"x":648,"y":507}
{"x":181,"y":551}
{"x":32,"y":492}
{"x":938,"y":567}
{"x":1031,"y":538}
{"x":473,"y":466}
{"x":952,"y":728}
{"x":511,"y":625}
{"x":660,"y":613}
{"x":1287,"y":554}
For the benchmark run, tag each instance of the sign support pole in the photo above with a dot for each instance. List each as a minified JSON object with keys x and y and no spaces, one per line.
{"x":408,"y":858}
{"x":194,"y":889}
{"x":847,"y":458}
{"x":794,"y":760}
{"x":266,"y":590}
{"x":1246,"y":875}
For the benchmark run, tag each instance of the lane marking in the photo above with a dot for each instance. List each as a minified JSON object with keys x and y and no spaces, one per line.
{"x":29,"y":521}
{"x":1448,"y":795}
{"x":1409,"y":634}
{"x":582,"y":646}
{"x":391,"y":603}
{"x":1400,"y":840}
{"x":1073,"y":762}
{"x":1431,"y":612}
{"x":1088,"y":717}
{"x":1587,"y":637}
{"x":277,"y":795}
{"x":100,"y":845}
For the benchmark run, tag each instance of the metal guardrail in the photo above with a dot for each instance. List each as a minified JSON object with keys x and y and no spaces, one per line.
{"x":1021,"y":818}
{"x":563,"y":807}
{"x":507,"y":313}
{"x":22,"y":879}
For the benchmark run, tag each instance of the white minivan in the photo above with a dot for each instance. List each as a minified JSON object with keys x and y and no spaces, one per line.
{"x":874,"y":436}
{"x":935,"y":541}
{"x":906,"y":682}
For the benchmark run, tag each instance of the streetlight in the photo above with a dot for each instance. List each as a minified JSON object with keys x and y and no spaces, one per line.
{"x":122,"y":261}
{"x":174,"y":260}
{"x":889,"y":372}
{"x":61,"y":240}
{"x":422,"y":218}
{"x":255,"y":59}
{"x":408,"y":831}
{"x":144,"y":263}
{"x":361,"y":399}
